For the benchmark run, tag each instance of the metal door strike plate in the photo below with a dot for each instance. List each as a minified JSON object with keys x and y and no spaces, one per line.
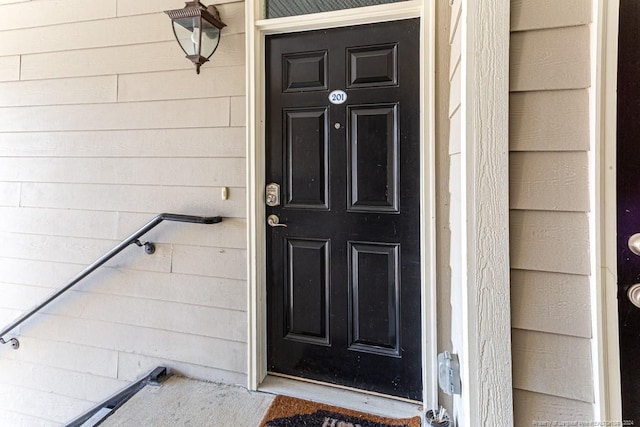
{"x":449,"y":373}
{"x":272,"y":194}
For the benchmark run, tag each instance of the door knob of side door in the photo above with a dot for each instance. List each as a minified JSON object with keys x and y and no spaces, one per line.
{"x":274,"y":221}
{"x":634,"y":244}
{"x":634,"y":294}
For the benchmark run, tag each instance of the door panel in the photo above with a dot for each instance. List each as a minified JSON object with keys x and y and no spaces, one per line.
{"x":375,"y":298}
{"x":628,"y":196}
{"x":373,"y":158}
{"x":373,"y":66}
{"x":307,"y":157}
{"x":307,"y":297}
{"x":343,"y":276}
{"x":305,"y":71}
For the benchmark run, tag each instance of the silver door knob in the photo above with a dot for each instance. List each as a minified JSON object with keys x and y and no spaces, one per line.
{"x":634,"y":294}
{"x":634,"y":243}
{"x":274,"y":221}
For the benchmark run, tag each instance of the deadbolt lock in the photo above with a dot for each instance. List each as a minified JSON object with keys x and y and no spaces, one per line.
{"x":272,"y":194}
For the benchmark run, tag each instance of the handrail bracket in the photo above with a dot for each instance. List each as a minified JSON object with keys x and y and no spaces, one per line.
{"x":15,"y":344}
{"x":149,"y":247}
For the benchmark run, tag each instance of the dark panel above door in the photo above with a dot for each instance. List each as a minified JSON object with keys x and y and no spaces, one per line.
{"x":280,"y":8}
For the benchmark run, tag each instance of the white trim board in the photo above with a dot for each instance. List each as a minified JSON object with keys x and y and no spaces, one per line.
{"x":606,"y":360}
{"x":486,"y":360}
{"x":256,"y":29}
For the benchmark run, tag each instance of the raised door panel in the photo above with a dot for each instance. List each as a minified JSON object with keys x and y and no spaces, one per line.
{"x":375,"y":298}
{"x":307,"y":297}
{"x":374,"y":182}
{"x":306,"y":158}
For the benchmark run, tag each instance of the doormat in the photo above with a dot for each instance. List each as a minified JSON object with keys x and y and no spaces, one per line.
{"x":291,"y":412}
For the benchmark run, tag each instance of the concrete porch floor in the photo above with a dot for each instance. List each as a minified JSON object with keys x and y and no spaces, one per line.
{"x":182,"y":401}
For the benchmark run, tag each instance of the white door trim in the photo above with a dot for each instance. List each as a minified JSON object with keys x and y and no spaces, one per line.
{"x":606,"y":353}
{"x":256,"y":29}
{"x":487,"y":396}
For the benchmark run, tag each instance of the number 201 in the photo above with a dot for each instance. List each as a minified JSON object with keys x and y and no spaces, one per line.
{"x":337,"y":97}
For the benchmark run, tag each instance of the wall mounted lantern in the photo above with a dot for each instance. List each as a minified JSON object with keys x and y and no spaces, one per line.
{"x":197,"y":28}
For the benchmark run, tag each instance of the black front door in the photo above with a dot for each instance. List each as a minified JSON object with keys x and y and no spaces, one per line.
{"x":342,"y":144}
{"x":628,"y":193}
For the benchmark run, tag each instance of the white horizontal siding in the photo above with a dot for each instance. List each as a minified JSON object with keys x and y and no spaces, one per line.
{"x":10,"y":193}
{"x":105,"y":33}
{"x":137,"y":58}
{"x":215,"y":82}
{"x":9,"y":68}
{"x":130,"y":365}
{"x":98,"y":134}
{"x":206,"y":291}
{"x":135,"y":198}
{"x":213,"y":112}
{"x":52,"y":12}
{"x":198,"y":172}
{"x":80,"y":251}
{"x":51,"y":409}
{"x":89,"y":90}
{"x":83,"y":359}
{"x":53,"y":222}
{"x":139,"y":143}
{"x":64,"y":382}
{"x":168,"y":345}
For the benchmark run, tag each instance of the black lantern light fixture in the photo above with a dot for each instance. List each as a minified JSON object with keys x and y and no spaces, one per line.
{"x":197,"y":28}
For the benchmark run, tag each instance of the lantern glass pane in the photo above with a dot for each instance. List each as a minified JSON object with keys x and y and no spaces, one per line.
{"x":188,"y":34}
{"x":210,"y":39}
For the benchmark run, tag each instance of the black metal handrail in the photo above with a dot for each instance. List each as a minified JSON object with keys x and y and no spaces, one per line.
{"x":133,"y":239}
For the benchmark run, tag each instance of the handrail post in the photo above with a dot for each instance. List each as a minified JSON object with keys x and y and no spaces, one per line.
{"x":15,"y":344}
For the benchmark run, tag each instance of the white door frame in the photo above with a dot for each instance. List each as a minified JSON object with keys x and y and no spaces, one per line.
{"x":256,"y":30}
{"x":606,"y":353}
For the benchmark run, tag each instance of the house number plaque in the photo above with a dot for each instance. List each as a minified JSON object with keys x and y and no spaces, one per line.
{"x":338,"y":97}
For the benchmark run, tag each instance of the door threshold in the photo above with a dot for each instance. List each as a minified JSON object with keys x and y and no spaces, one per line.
{"x":343,"y":397}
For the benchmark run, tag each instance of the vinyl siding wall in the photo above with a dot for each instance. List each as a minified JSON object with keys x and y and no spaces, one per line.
{"x":549,"y":200}
{"x":103,"y":125}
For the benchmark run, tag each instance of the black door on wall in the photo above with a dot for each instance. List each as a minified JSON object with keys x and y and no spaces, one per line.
{"x":343,"y":290}
{"x":628,"y":194}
